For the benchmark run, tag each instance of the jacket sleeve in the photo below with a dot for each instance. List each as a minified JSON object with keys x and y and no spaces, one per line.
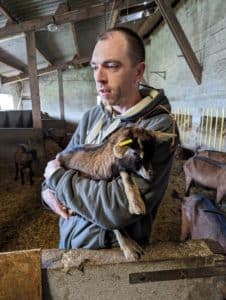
{"x":104,"y":202}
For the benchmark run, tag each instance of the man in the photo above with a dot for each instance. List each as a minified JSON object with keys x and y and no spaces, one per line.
{"x":101,"y":206}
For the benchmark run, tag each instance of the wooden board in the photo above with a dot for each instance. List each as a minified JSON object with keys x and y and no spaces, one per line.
{"x":20,"y":275}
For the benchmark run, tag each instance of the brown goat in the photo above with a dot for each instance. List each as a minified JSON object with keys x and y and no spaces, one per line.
{"x":214,"y":155}
{"x":208,"y":173}
{"x":201,"y":219}
{"x":23,"y":159}
{"x":128,"y":150}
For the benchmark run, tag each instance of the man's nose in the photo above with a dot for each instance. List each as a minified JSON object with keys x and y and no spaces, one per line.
{"x":100,"y":74}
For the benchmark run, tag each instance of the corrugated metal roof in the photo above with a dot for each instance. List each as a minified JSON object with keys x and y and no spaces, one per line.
{"x":29,"y":9}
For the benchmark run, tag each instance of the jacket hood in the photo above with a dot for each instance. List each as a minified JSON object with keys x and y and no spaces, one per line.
{"x":152,"y":98}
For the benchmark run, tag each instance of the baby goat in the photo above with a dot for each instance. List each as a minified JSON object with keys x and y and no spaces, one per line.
{"x":128,"y":150}
{"x":23,"y":159}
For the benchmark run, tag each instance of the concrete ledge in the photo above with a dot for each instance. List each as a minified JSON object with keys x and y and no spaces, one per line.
{"x":106,"y":274}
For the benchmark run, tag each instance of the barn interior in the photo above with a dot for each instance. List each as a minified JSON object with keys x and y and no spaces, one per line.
{"x":47,"y":84}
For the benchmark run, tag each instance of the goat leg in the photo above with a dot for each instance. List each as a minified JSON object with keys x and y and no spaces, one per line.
{"x":136,"y":203}
{"x":31,"y":176}
{"x":17,"y":171}
{"x":129,"y":247}
{"x":22,"y":175}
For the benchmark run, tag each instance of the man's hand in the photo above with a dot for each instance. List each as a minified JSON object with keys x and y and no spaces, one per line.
{"x":50,"y":199}
{"x":51,"y":167}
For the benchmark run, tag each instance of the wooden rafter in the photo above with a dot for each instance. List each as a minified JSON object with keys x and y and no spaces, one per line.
{"x":43,"y":54}
{"x":12,"y":20}
{"x":177,"y":31}
{"x":152,"y":21}
{"x":6,"y":14}
{"x":115,"y":12}
{"x":44,"y":71}
{"x":12,"y":61}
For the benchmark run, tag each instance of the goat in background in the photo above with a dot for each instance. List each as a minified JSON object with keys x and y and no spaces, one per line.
{"x":201,"y":219}
{"x":23,"y":158}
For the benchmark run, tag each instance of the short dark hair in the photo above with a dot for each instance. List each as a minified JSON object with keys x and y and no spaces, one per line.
{"x":135,"y":43}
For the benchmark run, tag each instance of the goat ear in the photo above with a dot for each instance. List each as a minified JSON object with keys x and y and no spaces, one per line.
{"x":118,"y":151}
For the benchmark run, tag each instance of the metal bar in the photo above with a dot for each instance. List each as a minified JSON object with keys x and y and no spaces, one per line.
{"x":177,"y":274}
{"x":207,"y":123}
{"x":221,"y":132}
{"x":201,"y":127}
{"x":215,"y":131}
{"x":210,"y":127}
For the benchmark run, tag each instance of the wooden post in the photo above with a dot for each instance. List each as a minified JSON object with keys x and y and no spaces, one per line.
{"x":61,"y":93}
{"x":33,"y":78}
{"x":177,"y":31}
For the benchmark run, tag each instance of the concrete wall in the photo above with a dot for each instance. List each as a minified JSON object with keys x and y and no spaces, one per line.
{"x":79,"y":93}
{"x":204,"y":23}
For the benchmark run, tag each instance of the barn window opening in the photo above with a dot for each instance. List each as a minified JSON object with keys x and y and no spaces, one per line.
{"x":6,"y":102}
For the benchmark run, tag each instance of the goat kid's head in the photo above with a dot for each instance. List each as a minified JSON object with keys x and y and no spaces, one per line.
{"x":133,"y":148}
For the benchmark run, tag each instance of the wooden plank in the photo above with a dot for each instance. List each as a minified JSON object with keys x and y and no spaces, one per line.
{"x":61,"y":93}
{"x":20,"y":275}
{"x":34,"y":86}
{"x":177,"y":31}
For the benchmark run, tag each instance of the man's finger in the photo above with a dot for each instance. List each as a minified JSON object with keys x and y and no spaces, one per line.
{"x":50,"y":199}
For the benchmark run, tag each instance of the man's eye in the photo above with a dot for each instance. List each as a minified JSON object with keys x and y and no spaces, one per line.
{"x":112,"y":65}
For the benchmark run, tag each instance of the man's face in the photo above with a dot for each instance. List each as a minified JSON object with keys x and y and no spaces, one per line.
{"x":116,"y":78}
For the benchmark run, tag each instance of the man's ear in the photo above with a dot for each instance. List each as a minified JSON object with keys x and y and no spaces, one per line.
{"x":140,"y":71}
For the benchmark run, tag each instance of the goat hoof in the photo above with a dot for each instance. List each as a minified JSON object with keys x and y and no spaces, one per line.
{"x":134,"y":253}
{"x":137,"y":208}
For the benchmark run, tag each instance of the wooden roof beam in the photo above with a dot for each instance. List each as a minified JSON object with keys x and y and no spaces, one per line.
{"x":6,"y":14}
{"x":11,"y":20}
{"x":177,"y":31}
{"x":115,"y":12}
{"x":43,"y":54}
{"x":44,"y":71}
{"x":12,"y":61}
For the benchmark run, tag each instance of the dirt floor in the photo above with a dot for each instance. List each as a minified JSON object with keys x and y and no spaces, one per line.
{"x":26,"y":224}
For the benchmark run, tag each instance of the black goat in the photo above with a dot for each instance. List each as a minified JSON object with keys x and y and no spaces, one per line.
{"x":23,"y":159}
